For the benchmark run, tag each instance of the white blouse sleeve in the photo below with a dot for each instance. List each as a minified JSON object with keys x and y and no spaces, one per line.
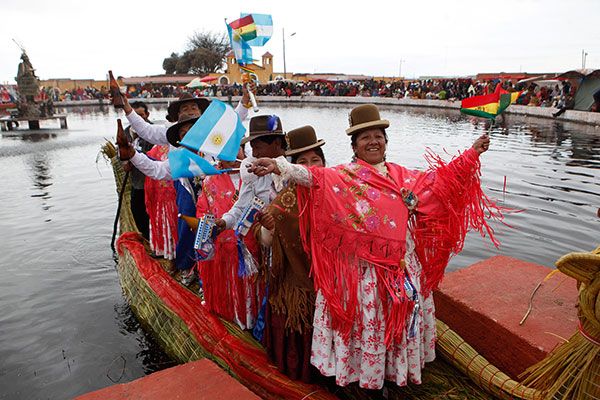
{"x":293,"y":172}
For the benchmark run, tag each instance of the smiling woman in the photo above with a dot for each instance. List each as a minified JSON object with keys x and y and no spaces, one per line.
{"x":380,"y":237}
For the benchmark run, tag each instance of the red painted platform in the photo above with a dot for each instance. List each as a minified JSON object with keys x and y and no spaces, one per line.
{"x":196,"y":380}
{"x":485,"y":302}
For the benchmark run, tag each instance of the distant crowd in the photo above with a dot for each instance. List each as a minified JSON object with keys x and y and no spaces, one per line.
{"x":559,"y":95}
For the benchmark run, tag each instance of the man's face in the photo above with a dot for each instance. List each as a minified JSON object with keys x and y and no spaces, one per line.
{"x":263,"y":149}
{"x":141,"y":111}
{"x":189,"y":108}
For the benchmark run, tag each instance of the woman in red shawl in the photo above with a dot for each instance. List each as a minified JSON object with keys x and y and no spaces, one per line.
{"x":228,"y":291}
{"x":379,"y":237}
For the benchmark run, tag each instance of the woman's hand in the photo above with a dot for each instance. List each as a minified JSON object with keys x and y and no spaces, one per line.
{"x":267,"y":221}
{"x":264,"y":166}
{"x":482,"y":144}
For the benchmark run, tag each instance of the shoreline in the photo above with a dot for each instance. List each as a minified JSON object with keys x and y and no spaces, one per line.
{"x":581,"y":117}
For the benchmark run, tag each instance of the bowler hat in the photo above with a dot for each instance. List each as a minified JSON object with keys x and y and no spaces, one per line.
{"x":365,"y":117}
{"x":264,"y":125}
{"x":173,"y":131}
{"x":173,"y":110}
{"x":302,"y":139}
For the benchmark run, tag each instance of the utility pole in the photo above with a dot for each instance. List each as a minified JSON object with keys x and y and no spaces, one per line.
{"x":583,"y":58}
{"x":284,"y":66}
{"x":400,"y":69}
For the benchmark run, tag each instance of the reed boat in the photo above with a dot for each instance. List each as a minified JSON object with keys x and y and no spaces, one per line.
{"x":186,"y":331}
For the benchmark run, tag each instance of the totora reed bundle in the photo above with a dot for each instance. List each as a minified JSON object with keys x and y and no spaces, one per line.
{"x":572,"y":370}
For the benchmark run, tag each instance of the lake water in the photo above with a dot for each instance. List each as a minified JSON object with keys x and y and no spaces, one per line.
{"x":65,"y":327}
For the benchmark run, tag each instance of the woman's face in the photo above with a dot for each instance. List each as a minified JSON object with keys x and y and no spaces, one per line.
{"x":370,"y":146}
{"x":310,"y":159}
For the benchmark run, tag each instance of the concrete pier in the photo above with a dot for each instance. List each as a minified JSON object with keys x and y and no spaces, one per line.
{"x":197,"y":380}
{"x":485,"y":302}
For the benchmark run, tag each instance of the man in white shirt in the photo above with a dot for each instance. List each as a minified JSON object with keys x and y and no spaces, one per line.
{"x":266,"y":136}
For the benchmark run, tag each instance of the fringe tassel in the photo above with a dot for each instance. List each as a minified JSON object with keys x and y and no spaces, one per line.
{"x":461,"y":205}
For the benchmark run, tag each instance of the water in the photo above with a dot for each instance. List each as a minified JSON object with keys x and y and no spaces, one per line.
{"x":65,"y":328}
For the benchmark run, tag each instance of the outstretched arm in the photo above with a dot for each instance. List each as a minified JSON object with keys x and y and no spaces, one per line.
{"x":160,"y":170}
{"x":153,"y":133}
{"x":280,"y":166}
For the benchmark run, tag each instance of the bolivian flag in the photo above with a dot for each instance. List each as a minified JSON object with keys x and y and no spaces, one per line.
{"x":489,"y":105}
{"x":244,"y":28}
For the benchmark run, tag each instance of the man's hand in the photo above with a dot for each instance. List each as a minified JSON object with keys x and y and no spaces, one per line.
{"x":267,"y":220}
{"x":247,"y":82}
{"x":264,"y":166}
{"x":482,"y":144}
{"x":126,"y":106}
{"x":126,"y":150}
{"x":221,"y":225}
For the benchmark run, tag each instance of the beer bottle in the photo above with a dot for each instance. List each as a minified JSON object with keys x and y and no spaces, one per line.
{"x":122,"y":142}
{"x":115,"y":92}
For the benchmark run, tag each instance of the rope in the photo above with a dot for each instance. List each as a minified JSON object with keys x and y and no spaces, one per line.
{"x":114,"y":234}
{"x":589,"y":337}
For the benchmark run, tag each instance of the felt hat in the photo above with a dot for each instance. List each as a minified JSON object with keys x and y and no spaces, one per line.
{"x":302,"y":139}
{"x":264,"y":125}
{"x":173,"y":131}
{"x":365,"y":117}
{"x":173,"y":110}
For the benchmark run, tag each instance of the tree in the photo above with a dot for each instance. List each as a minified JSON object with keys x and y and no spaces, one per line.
{"x":205,"y":52}
{"x":170,"y":63}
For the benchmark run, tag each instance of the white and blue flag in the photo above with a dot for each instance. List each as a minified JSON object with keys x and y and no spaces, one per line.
{"x":218,"y":132}
{"x":186,"y":164}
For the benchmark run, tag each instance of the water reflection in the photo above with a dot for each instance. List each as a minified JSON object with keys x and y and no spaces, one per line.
{"x":34,"y":136}
{"x":42,"y":179}
{"x":152,"y":357}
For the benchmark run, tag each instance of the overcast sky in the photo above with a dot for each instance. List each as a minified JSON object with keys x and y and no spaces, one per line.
{"x":83,"y":39}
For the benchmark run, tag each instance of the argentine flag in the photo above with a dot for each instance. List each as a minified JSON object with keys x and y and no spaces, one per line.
{"x":264,"y":28}
{"x":218,"y":132}
{"x":185,"y":164}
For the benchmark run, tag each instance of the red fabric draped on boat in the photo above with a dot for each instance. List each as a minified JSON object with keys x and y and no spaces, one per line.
{"x":247,"y":362}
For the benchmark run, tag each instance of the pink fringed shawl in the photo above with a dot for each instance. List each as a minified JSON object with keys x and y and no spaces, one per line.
{"x":353,"y":213}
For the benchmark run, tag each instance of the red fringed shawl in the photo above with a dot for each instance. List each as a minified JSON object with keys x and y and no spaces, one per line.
{"x":355,"y":214}
{"x":225,"y":293}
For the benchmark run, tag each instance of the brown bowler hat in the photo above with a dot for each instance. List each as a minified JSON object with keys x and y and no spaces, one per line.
{"x":173,"y":110}
{"x":264,"y":125}
{"x":173,"y":131}
{"x":365,"y":117}
{"x":302,"y":139}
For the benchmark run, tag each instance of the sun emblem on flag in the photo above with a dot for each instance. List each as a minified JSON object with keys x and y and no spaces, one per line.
{"x":216,"y":139}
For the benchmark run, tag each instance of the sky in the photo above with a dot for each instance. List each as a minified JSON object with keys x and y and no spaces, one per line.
{"x":83,"y":39}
